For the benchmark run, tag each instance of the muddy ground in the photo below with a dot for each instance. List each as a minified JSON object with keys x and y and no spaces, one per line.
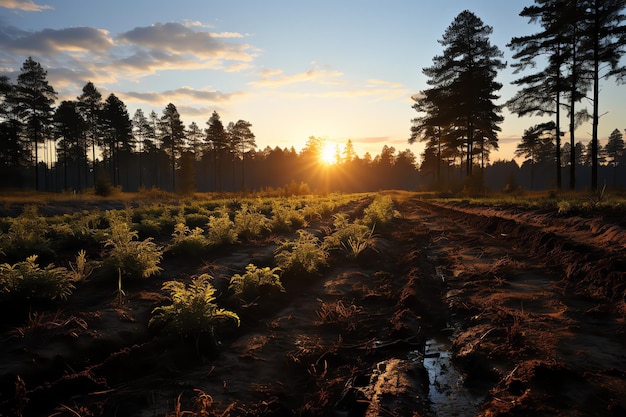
{"x":458,"y":311}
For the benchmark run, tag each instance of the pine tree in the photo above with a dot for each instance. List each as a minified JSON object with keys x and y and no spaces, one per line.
{"x":217,"y":143}
{"x":173,"y":136}
{"x":464,"y":85}
{"x":34,"y":101}
{"x":90,"y":107}
{"x":606,"y":38}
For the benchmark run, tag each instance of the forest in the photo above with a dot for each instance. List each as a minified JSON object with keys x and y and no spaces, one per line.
{"x":93,"y":143}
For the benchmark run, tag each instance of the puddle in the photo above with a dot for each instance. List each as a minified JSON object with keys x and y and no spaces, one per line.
{"x":447,"y":393}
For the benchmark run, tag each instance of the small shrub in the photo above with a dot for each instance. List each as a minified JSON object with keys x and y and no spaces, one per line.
{"x":249,"y":222}
{"x":28,"y":281}
{"x":186,"y":241}
{"x":27,"y":234}
{"x":285,"y":218}
{"x":193,"y":310}
{"x":303,"y":254}
{"x":221,"y":230}
{"x":134,"y":258}
{"x":350,"y":238}
{"x":379,"y":213}
{"x":256,"y":280}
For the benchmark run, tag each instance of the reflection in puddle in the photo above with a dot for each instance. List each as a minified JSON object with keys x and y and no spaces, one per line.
{"x":447,"y":393}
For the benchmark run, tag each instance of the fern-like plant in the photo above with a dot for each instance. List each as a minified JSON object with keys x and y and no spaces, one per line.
{"x":249,"y":222}
{"x":26,"y":280}
{"x":27,"y":234}
{"x":350,"y":238}
{"x":132,"y":257}
{"x":379,"y":213}
{"x":186,"y":241}
{"x":304,"y":254}
{"x":221,"y":230}
{"x":250,"y":285}
{"x":193,"y":310}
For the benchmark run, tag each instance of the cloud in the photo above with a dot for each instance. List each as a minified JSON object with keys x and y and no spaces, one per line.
{"x":276,"y":78}
{"x":176,"y":39}
{"x":24,"y":5}
{"x":51,"y":42}
{"x":375,"y":83}
{"x":180,"y":95}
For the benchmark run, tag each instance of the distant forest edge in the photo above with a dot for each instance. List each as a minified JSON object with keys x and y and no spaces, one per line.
{"x":91,"y":143}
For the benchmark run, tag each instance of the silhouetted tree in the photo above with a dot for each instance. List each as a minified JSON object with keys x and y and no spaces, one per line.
{"x":187,"y":173}
{"x":536,"y":145}
{"x":541,"y":92}
{"x":117,"y":132}
{"x":14,"y":151}
{"x":143,"y":132}
{"x":34,"y":101}
{"x":606,"y":38}
{"x":217,"y":143}
{"x":69,"y":129}
{"x":172,"y":136}
{"x":243,"y":140}
{"x":463,"y":81}
{"x":90,"y":107}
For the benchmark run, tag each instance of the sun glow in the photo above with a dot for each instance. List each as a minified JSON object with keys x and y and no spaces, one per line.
{"x":328,"y":154}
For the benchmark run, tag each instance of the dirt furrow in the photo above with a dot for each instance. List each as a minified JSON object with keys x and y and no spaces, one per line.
{"x":538,"y":319}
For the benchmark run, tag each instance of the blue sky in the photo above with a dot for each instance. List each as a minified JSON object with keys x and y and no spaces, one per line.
{"x":335,"y":69}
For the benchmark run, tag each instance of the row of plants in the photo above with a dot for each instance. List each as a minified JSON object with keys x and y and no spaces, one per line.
{"x":193,"y":311}
{"x":561,"y":202}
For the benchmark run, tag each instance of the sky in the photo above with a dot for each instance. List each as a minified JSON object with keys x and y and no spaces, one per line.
{"x":342,"y":69}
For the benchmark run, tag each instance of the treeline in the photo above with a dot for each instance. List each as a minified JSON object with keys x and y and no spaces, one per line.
{"x":93,"y":142}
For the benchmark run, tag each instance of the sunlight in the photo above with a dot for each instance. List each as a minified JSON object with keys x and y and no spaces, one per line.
{"x":328,"y":154}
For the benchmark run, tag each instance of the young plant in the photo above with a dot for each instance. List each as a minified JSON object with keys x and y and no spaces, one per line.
{"x":133,"y":258}
{"x":249,"y":222}
{"x":285,"y":217}
{"x":193,"y":310}
{"x":26,"y":280}
{"x":255,"y":281}
{"x":379,"y":213}
{"x":186,"y":241}
{"x":27,"y":234}
{"x":350,"y":238}
{"x":303,"y":254}
{"x":221,"y":230}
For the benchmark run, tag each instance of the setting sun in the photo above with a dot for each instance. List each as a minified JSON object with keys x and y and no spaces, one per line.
{"x":328,"y":154}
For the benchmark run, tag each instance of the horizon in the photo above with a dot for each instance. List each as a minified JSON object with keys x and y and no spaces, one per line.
{"x":338,"y":71}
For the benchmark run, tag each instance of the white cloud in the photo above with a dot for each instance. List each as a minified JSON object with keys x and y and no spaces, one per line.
{"x":24,"y":5}
{"x":276,"y":78}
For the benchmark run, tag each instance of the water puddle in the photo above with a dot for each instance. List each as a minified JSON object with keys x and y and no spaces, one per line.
{"x":447,"y":393}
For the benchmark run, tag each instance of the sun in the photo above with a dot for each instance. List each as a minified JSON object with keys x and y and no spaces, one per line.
{"x":328,"y":154}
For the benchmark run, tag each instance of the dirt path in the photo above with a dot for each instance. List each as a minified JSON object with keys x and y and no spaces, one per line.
{"x":538,"y":339}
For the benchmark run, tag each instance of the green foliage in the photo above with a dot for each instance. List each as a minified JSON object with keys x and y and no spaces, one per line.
{"x":28,"y":281}
{"x":350,"y":238}
{"x":193,"y":310}
{"x":186,"y":241}
{"x":304,"y":254}
{"x":285,"y":217}
{"x":27,"y":234}
{"x":221,"y":230}
{"x":249,"y":222}
{"x":379,"y":213}
{"x":136,"y":259}
{"x":77,"y":230}
{"x":250,"y":285}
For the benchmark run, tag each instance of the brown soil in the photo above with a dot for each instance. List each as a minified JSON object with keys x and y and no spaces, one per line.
{"x":532,"y":304}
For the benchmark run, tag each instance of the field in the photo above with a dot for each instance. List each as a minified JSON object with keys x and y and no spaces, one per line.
{"x":381,"y":304}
